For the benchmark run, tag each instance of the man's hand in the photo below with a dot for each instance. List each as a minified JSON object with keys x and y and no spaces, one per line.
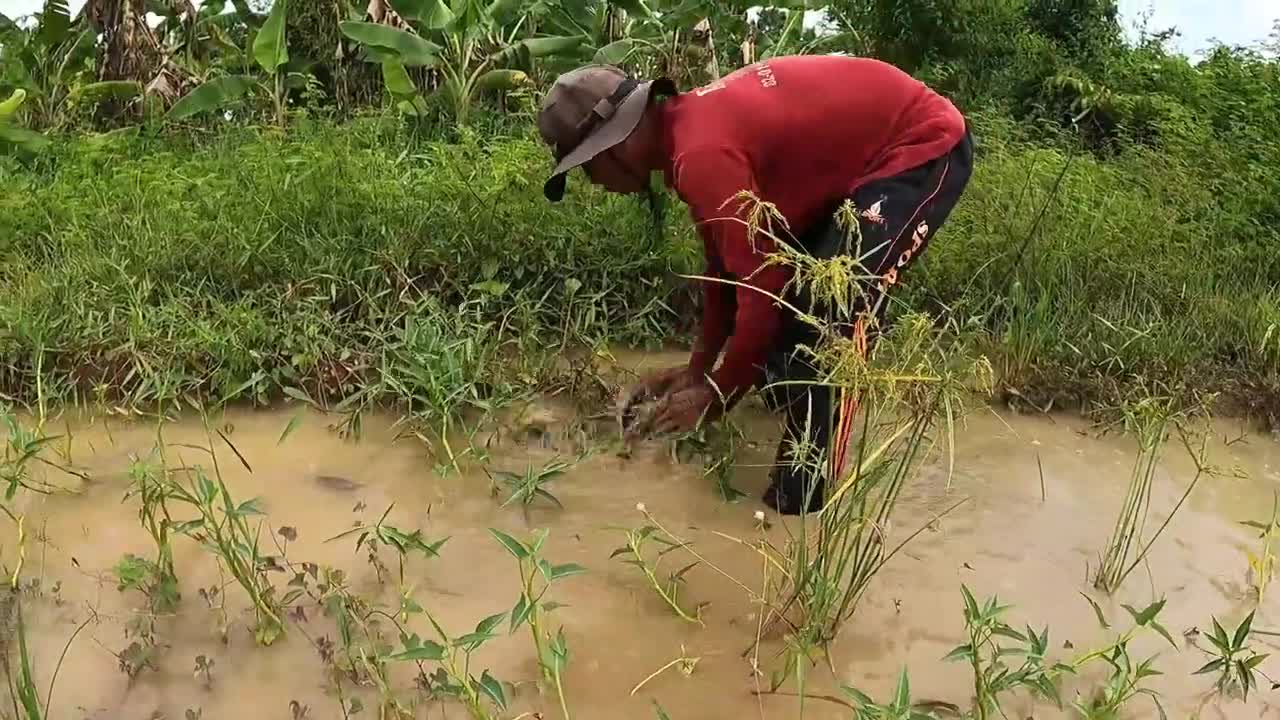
{"x":681,"y":411}
{"x":656,"y":385}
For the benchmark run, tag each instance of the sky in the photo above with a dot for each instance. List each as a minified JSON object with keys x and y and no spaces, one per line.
{"x":1201,"y":22}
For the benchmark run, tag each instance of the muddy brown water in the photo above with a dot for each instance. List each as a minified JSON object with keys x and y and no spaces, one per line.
{"x":1033,"y":551}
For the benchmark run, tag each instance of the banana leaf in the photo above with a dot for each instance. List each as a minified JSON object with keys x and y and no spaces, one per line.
{"x":212,"y":95}
{"x":412,"y":50}
{"x":270,"y":48}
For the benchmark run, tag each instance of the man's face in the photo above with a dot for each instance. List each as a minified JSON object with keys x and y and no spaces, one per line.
{"x":619,"y":169}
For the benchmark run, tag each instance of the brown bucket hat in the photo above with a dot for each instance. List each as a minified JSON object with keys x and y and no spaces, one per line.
{"x":588,"y":111}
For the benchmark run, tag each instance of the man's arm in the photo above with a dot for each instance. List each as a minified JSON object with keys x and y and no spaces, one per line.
{"x":717,"y":312}
{"x":709,"y":180}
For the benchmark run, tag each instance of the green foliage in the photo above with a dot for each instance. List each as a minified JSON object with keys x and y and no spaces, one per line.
{"x":530,"y":608}
{"x":222,"y":528}
{"x":215,"y":94}
{"x":987,"y":652}
{"x":321,"y":263}
{"x":453,"y":677}
{"x":525,"y":488}
{"x":1235,"y":662}
{"x":668,"y":588}
{"x":900,"y":708}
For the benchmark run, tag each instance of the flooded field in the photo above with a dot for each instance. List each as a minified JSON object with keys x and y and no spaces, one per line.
{"x":1043,"y":493}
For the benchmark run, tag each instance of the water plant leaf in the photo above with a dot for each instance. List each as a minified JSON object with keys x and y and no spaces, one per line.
{"x":1163,"y":633}
{"x":513,"y":546}
{"x":1147,"y":614}
{"x":964,"y":652}
{"x":486,"y":626}
{"x":539,"y":539}
{"x":1210,"y":666}
{"x":543,"y":493}
{"x":187,"y":526}
{"x":971,"y":610}
{"x":294,"y":422}
{"x":491,"y":687}
{"x":902,"y":697}
{"x":520,"y":613}
{"x":566,"y":570}
{"x":1005,"y":631}
{"x":662,"y":714}
{"x":1219,"y":637}
{"x":1242,"y":632}
{"x":1102,"y":619}
{"x":427,"y":650}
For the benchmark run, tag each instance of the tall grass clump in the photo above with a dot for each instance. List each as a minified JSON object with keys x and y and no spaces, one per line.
{"x":1138,"y":270}
{"x":909,"y":387}
{"x":1149,"y":420}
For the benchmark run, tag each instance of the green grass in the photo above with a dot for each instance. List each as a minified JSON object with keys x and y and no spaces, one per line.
{"x":360,"y":264}
{"x":347,"y":263}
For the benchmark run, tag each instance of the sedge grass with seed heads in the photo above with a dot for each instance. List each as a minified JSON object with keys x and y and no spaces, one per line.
{"x":1149,"y":418}
{"x":916,"y":377}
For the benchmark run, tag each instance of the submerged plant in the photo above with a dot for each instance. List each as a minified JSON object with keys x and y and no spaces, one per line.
{"x":1235,"y":662}
{"x":718,"y":445}
{"x":987,"y":652}
{"x":525,"y":488}
{"x":453,"y":676}
{"x":552,"y":652}
{"x":402,"y":543}
{"x":1149,"y":418}
{"x":1262,"y":565}
{"x":223,"y":529}
{"x":900,"y":708}
{"x":22,"y":447}
{"x":891,"y":390}
{"x":633,"y":553}
{"x":157,"y":578}
{"x":24,"y":696}
{"x":1124,"y":683}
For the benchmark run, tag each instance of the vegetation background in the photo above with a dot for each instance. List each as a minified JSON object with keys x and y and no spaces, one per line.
{"x":340,"y":200}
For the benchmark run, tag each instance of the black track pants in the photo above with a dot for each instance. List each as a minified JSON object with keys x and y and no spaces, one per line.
{"x":898,"y":215}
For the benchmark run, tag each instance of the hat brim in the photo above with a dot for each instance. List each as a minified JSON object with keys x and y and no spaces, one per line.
{"x":610,"y":133}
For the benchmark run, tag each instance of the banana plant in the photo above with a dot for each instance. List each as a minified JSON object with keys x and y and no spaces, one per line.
{"x":467,"y":45}
{"x":676,"y":38}
{"x":12,"y":136}
{"x":46,"y":61}
{"x":269,"y":50}
{"x":203,"y":34}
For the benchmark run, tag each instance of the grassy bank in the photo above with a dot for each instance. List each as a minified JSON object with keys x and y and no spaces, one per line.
{"x":362,"y":262}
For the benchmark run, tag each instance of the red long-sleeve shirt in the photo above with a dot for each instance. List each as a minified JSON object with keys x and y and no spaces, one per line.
{"x":800,"y":133}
